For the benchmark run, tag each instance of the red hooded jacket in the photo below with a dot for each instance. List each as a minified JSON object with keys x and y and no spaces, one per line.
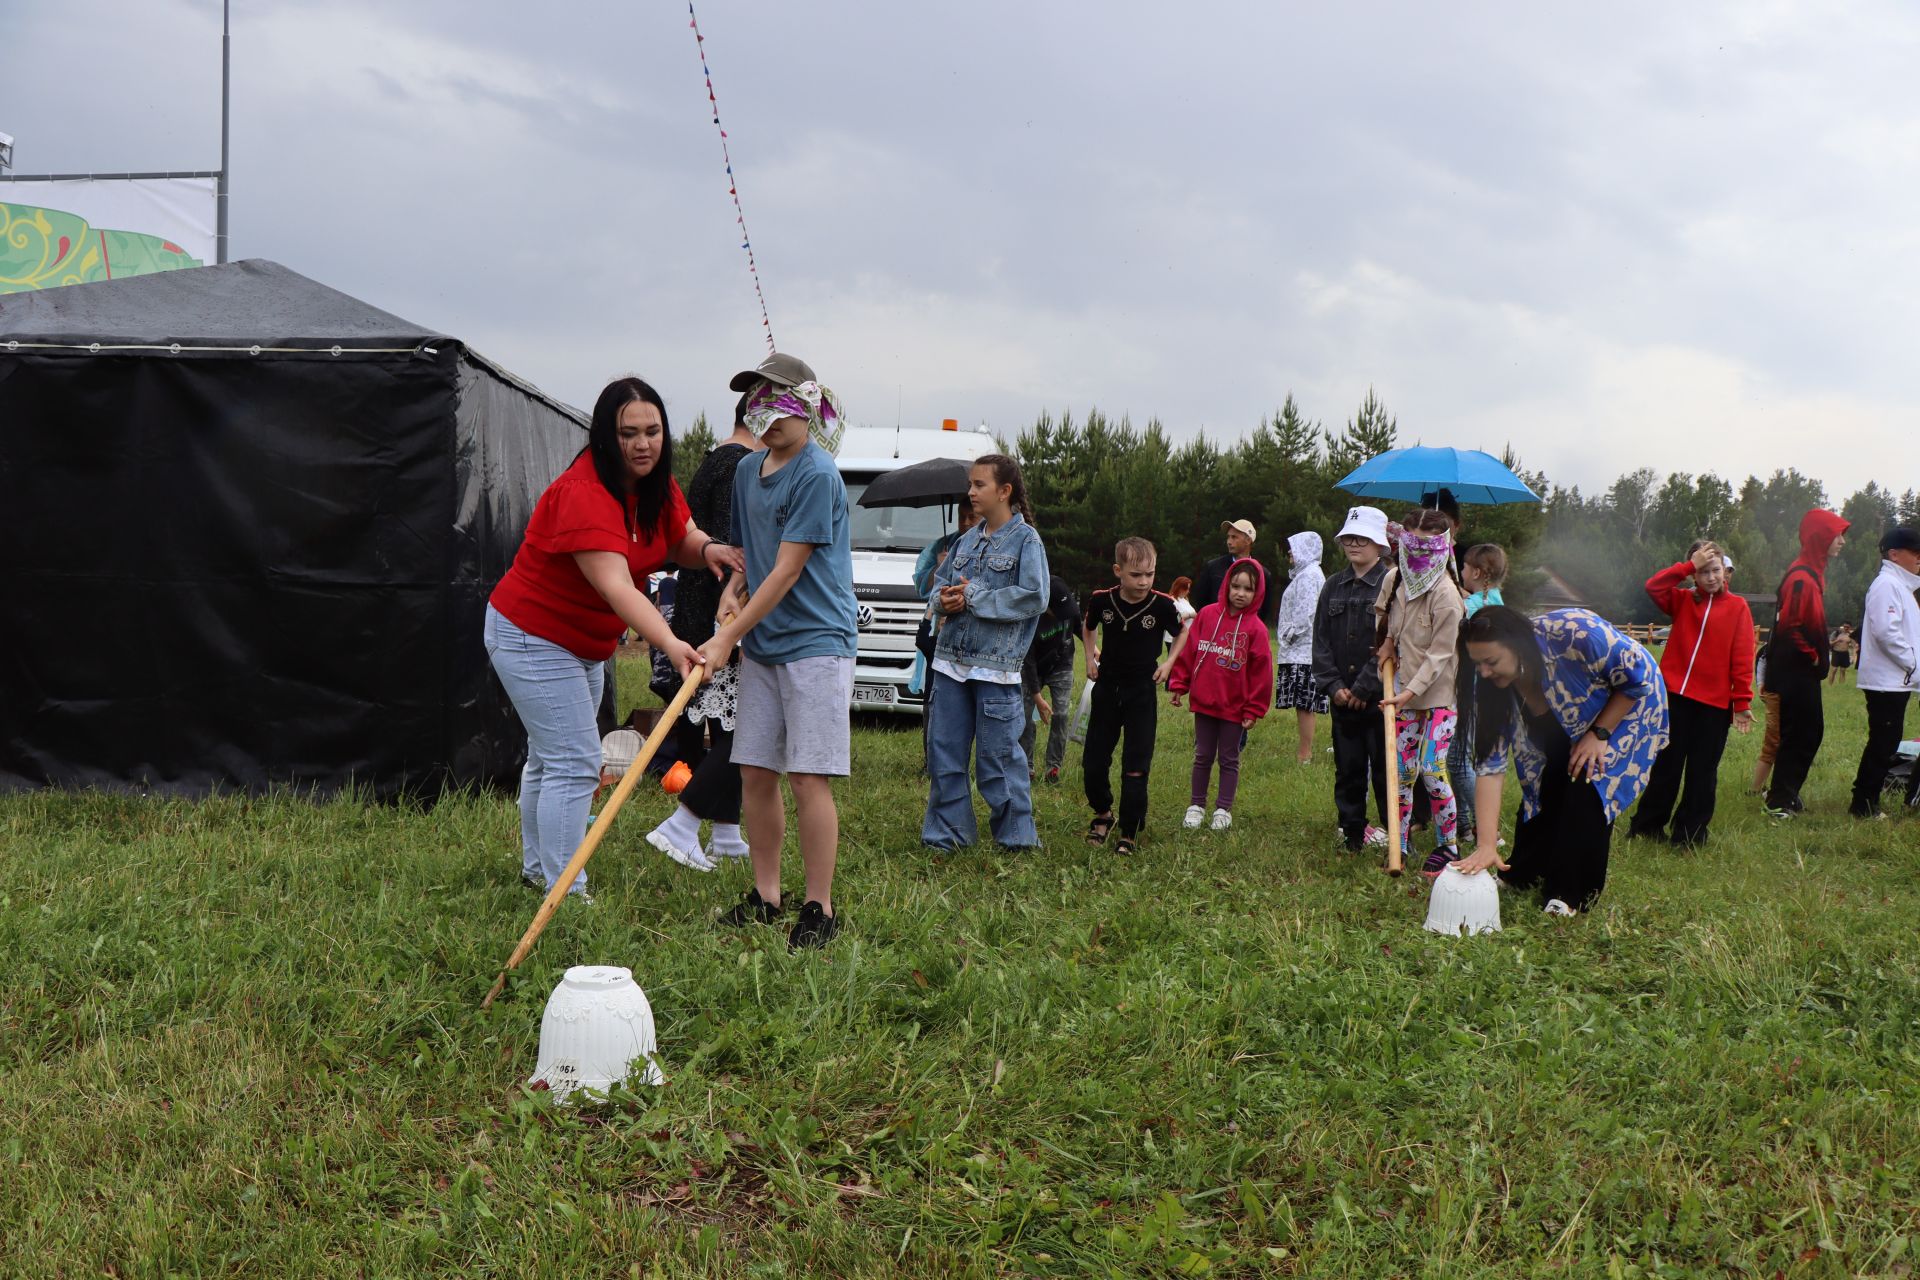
{"x":1227,"y":666}
{"x":1709,"y":654}
{"x":1800,"y":627}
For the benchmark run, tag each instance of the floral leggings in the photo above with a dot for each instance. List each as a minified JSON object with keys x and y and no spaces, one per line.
{"x":1423,"y":739}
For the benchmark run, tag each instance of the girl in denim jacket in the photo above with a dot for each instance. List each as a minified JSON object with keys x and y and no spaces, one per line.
{"x":988,"y":594}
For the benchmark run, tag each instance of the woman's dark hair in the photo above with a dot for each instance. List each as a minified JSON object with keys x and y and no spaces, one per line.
{"x":1492,"y":705}
{"x":650,"y":491}
{"x":1007,"y":471}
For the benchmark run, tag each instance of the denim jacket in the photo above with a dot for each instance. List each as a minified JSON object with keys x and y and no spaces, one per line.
{"x":1007,"y":577}
{"x":1343,"y":634}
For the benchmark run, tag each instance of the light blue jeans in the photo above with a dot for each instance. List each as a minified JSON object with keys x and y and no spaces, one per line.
{"x":558,"y":696}
{"x":982,"y":720}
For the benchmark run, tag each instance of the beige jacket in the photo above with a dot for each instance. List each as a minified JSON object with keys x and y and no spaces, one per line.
{"x":1426,"y":633}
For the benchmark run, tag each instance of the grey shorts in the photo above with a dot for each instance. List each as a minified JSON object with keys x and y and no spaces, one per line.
{"x":794,"y":718}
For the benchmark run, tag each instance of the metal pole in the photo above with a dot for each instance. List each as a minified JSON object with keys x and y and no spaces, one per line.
{"x":226,"y":54}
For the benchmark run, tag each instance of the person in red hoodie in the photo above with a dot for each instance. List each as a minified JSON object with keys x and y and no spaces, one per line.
{"x":1708,"y":665}
{"x":1226,"y":671}
{"x":1797,"y":657}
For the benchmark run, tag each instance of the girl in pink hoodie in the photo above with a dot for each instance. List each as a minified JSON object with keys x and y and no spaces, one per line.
{"x":1226,"y":671}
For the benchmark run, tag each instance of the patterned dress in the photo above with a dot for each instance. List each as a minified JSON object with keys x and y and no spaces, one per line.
{"x":1587,"y":661}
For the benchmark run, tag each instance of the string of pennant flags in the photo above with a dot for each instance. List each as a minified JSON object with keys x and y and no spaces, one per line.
{"x":733,"y":185}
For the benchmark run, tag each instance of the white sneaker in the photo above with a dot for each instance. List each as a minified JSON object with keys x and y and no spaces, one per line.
{"x":1555,"y":907}
{"x":721,"y":847}
{"x":1222,"y":819}
{"x":1195,"y":816}
{"x":695,"y":858}
{"x":1376,"y":835}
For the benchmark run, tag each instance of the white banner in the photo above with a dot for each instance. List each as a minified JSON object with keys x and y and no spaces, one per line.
{"x":84,"y":229}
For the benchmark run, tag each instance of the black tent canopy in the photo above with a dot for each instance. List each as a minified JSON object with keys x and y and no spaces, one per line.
{"x":249,"y":527}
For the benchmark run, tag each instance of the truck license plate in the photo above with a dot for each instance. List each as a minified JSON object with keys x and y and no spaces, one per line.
{"x":882,"y":693}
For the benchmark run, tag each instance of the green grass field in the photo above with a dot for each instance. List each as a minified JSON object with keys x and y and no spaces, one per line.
{"x":243,"y":1038}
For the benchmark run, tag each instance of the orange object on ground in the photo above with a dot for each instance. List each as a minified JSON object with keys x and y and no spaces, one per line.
{"x":677,"y":778}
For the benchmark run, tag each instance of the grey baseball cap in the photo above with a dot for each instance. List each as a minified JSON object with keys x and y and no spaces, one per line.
{"x":786,"y":370}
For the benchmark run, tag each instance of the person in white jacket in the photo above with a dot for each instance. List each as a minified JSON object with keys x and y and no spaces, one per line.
{"x":1889,"y":665}
{"x":1293,"y":654}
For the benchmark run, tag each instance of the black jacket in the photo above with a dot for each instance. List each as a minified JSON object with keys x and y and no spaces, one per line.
{"x":1206,"y":588}
{"x":1343,"y":634}
{"x":1052,"y":646}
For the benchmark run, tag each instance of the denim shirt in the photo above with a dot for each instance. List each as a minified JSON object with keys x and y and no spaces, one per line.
{"x":1007,"y":577}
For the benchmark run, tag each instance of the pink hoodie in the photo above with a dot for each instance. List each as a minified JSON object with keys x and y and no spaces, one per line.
{"x":1227,"y":666}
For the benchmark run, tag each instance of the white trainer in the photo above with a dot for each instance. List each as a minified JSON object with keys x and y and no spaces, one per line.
{"x":1222,"y":819}
{"x":695,"y":858}
{"x":1195,"y":816}
{"x":1555,"y":907}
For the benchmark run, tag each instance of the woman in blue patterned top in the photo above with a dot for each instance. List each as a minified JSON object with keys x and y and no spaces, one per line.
{"x":1582,"y":711}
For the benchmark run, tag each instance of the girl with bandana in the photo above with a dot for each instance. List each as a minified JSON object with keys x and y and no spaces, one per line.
{"x":1420,"y":611}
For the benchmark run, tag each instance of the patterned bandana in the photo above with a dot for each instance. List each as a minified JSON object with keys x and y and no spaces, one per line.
{"x":1424,"y":558}
{"x":820,"y":407}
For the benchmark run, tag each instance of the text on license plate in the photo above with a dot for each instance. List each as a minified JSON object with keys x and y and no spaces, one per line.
{"x":873,"y":693}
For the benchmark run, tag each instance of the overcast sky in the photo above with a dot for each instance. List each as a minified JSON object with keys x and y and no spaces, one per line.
{"x":1678,"y":236}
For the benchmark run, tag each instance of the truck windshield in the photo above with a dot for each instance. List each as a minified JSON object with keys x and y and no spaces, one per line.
{"x":893,"y":528}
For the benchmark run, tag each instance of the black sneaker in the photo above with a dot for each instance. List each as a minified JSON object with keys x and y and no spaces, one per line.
{"x":815,"y":929}
{"x":533,"y":882}
{"x":751,"y":909}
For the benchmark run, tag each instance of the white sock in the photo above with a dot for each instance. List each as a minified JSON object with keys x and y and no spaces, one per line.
{"x":727,"y":841}
{"x":682,"y":830}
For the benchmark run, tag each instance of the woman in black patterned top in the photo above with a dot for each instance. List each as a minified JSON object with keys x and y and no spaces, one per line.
{"x":713,"y":793}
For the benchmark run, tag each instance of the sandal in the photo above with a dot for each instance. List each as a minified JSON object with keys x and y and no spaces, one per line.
{"x":1097,"y":830}
{"x":1124,"y":846}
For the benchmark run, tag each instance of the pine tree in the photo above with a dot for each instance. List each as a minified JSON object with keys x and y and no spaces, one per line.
{"x":690,"y":448}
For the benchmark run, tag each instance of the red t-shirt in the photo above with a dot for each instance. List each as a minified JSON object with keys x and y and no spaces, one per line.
{"x":545,"y":594}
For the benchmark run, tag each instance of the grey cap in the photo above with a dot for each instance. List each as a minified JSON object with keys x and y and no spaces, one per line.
{"x":780,"y":368}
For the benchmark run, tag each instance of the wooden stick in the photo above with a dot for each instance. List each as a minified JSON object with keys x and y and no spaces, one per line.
{"x":597,"y":831}
{"x":1393,"y":773}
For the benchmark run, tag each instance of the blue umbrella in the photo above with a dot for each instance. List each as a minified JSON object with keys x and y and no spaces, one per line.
{"x":1410,"y":475}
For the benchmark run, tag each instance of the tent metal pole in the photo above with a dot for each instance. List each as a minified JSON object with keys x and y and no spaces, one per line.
{"x":226,"y":56}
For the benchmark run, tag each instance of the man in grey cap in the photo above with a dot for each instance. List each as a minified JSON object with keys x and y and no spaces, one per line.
{"x":779,"y":368}
{"x":1206,"y":587}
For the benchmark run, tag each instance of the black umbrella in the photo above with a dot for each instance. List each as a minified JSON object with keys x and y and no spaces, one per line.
{"x":932,"y":483}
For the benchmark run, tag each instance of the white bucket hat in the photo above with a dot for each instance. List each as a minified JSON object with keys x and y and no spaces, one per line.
{"x":1463,"y":904}
{"x":1369,"y":522}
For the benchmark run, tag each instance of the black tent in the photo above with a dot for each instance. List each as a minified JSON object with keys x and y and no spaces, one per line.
{"x":248,"y":525}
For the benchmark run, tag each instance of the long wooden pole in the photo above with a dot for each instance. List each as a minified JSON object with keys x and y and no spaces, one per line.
{"x":596,"y":832}
{"x":1393,"y":774}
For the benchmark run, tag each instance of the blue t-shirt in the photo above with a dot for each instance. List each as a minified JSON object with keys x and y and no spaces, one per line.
{"x":804,"y":501}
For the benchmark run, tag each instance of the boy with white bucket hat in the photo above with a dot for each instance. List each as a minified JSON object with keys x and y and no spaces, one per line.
{"x":1347,"y":674}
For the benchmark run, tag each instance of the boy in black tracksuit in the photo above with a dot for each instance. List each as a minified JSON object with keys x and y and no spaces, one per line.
{"x":1346,"y":672}
{"x":1049,"y":666}
{"x":1134,"y":622}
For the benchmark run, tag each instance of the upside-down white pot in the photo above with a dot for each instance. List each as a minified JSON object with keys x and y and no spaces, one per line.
{"x":596,"y":1033}
{"x":1464,"y":904}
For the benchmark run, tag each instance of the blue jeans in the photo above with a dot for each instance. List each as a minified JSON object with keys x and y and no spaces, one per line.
{"x":558,"y":696}
{"x":974,"y":717}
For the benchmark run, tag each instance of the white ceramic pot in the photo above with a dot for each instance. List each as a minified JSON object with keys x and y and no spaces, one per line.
{"x":597,"y":1032}
{"x":1464,"y":904}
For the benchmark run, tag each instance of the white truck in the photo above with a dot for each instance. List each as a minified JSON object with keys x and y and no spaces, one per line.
{"x":886,"y":543}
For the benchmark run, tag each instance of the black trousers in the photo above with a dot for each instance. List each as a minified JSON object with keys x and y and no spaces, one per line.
{"x":1699,"y":739}
{"x":1803,"y":724}
{"x":713,"y":793}
{"x":1124,"y":715}
{"x":1359,"y":755}
{"x":1886,"y":721}
{"x":1562,"y":848}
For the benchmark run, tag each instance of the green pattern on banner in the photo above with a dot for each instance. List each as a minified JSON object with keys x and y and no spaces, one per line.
{"x":41,"y":248}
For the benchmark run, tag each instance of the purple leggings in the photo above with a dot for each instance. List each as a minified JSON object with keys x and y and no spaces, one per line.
{"x":1213,"y":736}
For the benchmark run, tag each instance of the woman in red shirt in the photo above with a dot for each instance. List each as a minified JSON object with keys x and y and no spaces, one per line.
{"x":610,"y":519}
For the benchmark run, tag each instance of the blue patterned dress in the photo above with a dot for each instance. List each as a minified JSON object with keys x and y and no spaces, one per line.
{"x":1587,"y":661}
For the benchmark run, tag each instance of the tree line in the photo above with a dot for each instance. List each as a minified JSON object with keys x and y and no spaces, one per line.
{"x":1095,"y":479}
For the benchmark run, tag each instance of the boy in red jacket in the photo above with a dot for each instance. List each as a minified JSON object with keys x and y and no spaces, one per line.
{"x":1797,"y":658}
{"x":1708,"y":666}
{"x":1227,"y":672}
